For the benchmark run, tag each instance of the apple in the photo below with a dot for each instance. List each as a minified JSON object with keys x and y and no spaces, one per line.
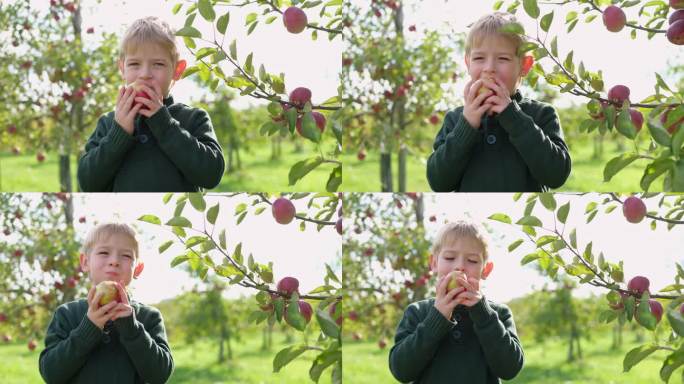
{"x":294,"y":19}
{"x":638,"y":285}
{"x":412,"y":28}
{"x":318,"y":117}
{"x":361,"y":155}
{"x":675,"y":33}
{"x":353,"y":315}
{"x":6,"y":231}
{"x":333,"y":310}
{"x":304,"y":309}
{"x":677,"y":4}
{"x":12,"y":129}
{"x":483,"y":88}
{"x":139,"y":93}
{"x":368,"y":252}
{"x":346,"y":61}
{"x":3,"y":317}
{"x":338,"y":226}
{"x":90,"y":30}
{"x":618,"y":94}
{"x":637,"y":118}
{"x":433,"y":218}
{"x":634,"y":209}
{"x":300,"y":96}
{"x":40,"y":157}
{"x":18,"y":253}
{"x":32,"y":345}
{"x":7,"y":338}
{"x":108,"y":290}
{"x":82,"y":219}
{"x":672,"y":128}
{"x":288,"y":285}
{"x":656,"y":309}
{"x":70,"y":7}
{"x":614,"y":18}
{"x":676,"y":15}
{"x":434,"y":120}
{"x":283,"y":210}
{"x":26,"y":64}
{"x":382,"y":343}
{"x":453,"y":281}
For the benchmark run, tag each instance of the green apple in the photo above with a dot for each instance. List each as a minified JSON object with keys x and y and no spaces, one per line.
{"x":453,"y":281}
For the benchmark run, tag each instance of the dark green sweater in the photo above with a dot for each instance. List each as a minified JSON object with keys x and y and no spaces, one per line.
{"x":480,"y":349}
{"x":519,"y":150}
{"x":76,"y":351}
{"x":175,"y":150}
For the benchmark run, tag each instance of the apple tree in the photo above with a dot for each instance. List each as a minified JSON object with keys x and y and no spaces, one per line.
{"x":220,"y":62}
{"x":395,"y":78}
{"x":65,"y":81}
{"x":559,"y":249}
{"x":207,"y":256}
{"x":609,"y":107}
{"x":40,"y":266}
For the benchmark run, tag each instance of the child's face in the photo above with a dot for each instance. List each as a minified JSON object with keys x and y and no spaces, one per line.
{"x":150,"y":64}
{"x":111,"y":258}
{"x":463,"y":254}
{"x":496,"y":57}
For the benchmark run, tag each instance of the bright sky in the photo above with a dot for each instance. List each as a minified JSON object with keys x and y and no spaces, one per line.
{"x":294,"y":253}
{"x":623,"y":61}
{"x":645,"y":252}
{"x":314,"y":64}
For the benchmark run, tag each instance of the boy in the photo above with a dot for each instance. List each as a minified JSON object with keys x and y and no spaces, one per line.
{"x":498,"y":141}
{"x":149,"y":143}
{"x":119,"y":342}
{"x":457,"y":337}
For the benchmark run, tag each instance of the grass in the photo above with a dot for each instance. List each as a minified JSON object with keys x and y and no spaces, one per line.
{"x":196,"y":364}
{"x":586,"y":174}
{"x":258,"y":174}
{"x":545,"y":363}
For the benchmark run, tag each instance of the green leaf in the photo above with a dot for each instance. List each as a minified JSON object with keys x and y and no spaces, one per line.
{"x":309,"y":129}
{"x":302,"y":168}
{"x":655,"y":170}
{"x":644,"y":315}
{"x":327,"y":324}
{"x":189,"y":32}
{"x":624,"y":124}
{"x":513,"y":28}
{"x":531,"y":8}
{"x":212,"y":213}
{"x":563,"y":211}
{"x":500,"y":217}
{"x":671,"y":363}
{"x":251,"y":17}
{"x":233,"y":50}
{"x":616,"y":164}
{"x":286,"y":355}
{"x":179,"y":221}
{"x":334,"y":180}
{"x":323,"y":361}
{"x":532,"y":221}
{"x":294,"y":317}
{"x":206,"y":10}
{"x":554,"y":46}
{"x":222,"y":239}
{"x":676,"y":320}
{"x":548,"y":201}
{"x":222,"y":23}
{"x":152,"y":219}
{"x":529,"y":258}
{"x":197,"y":201}
{"x":637,"y":354}
{"x":546,"y":21}
{"x":514,"y":245}
{"x":178,"y":260}
{"x":658,"y":133}
{"x":573,"y":238}
{"x":165,"y":246}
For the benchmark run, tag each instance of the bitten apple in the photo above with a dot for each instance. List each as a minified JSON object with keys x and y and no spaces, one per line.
{"x":109,"y":292}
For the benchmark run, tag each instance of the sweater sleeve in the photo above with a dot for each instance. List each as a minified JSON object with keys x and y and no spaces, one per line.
{"x":147,"y":345}
{"x":416,"y":342}
{"x":540,"y":145}
{"x":194,"y":150}
{"x":498,"y":338}
{"x":452,"y":150}
{"x":66,"y":350}
{"x":104,"y":153}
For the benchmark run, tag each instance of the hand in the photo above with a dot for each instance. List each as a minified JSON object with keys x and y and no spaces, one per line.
{"x":446,"y":300}
{"x":153,"y":104}
{"x":501,"y":97}
{"x":476,"y":104}
{"x":472,"y":294}
{"x":99,"y":315}
{"x":125,"y":111}
{"x":122,"y":309}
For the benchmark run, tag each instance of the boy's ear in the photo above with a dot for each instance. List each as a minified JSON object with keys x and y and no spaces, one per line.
{"x":138,"y":269}
{"x":83,"y":259}
{"x":527,"y":63}
{"x":433,"y":263}
{"x":121,"y":66}
{"x":487,"y":269}
{"x":180,"y":68}
{"x":466,"y":60}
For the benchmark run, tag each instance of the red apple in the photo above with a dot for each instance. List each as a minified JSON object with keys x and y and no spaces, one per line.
{"x":346,"y":61}
{"x":672,"y":128}
{"x":675,"y":33}
{"x":618,"y":94}
{"x":12,"y":129}
{"x":634,"y":209}
{"x":433,"y":218}
{"x":656,"y":309}
{"x":353,"y":315}
{"x":361,"y":155}
{"x":434,"y":119}
{"x":382,"y":343}
{"x":283,"y":210}
{"x":300,"y":96}
{"x":614,"y":18}
{"x":82,"y":219}
{"x":294,"y":19}
{"x":319,"y":118}
{"x":412,"y":28}
{"x":637,"y":118}
{"x":40,"y":157}
{"x":638,"y":285}
{"x":18,"y":253}
{"x":676,"y":15}
{"x":333,"y":310}
{"x":3,"y":317}
{"x":139,"y":93}
{"x":677,"y":4}
{"x":338,"y":226}
{"x":368,"y":252}
{"x":32,"y":345}
{"x":90,"y":30}
{"x":288,"y":285}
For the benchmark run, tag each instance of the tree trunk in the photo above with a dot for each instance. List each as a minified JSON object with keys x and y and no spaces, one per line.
{"x":420,"y":208}
{"x":386,"y":172}
{"x":402,"y":168}
{"x":237,"y":154}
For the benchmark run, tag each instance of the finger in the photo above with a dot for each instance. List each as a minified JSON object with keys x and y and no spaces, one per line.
{"x":454,"y":293}
{"x":466,"y":90}
{"x":96,"y":299}
{"x":91,"y":294}
{"x":133,"y":111}
{"x":475,"y":88}
{"x":122,"y":293}
{"x":105,"y":308}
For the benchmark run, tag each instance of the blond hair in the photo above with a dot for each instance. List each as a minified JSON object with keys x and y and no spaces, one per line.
{"x":149,"y":30}
{"x":490,"y":25}
{"x":460,"y":229}
{"x":103,"y":231}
